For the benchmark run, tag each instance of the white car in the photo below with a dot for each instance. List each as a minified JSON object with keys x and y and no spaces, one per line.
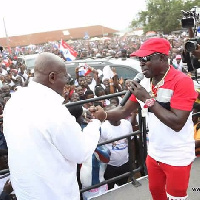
{"x":28,"y":60}
{"x":127,"y":69}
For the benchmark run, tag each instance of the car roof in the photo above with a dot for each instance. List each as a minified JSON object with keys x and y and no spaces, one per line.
{"x":28,"y":56}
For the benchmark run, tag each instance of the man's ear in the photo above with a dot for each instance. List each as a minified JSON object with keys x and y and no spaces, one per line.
{"x":52,"y":77}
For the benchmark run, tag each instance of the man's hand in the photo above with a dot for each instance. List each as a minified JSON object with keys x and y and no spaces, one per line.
{"x":114,"y":71}
{"x":91,"y":68}
{"x":139,"y":91}
{"x":98,"y":113}
{"x":121,"y":81}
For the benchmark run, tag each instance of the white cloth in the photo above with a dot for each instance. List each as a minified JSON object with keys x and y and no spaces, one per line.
{"x":93,"y":170}
{"x":95,"y":192}
{"x":107,"y":72}
{"x":4,"y":72}
{"x":118,"y":149}
{"x":92,"y":85}
{"x":86,"y":173}
{"x":44,"y":144}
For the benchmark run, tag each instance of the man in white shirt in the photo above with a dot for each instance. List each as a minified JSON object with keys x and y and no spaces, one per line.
{"x":45,"y":142}
{"x":178,"y":63}
{"x":118,"y":163}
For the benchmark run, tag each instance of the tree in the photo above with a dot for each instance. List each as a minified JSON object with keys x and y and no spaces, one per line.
{"x":163,"y":15}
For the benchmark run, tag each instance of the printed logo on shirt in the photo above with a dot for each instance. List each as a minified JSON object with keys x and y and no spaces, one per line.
{"x":120,"y":144}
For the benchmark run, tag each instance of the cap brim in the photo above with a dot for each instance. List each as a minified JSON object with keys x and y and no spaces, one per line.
{"x":141,"y":53}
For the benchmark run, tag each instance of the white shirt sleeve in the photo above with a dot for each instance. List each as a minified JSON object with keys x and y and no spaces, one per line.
{"x":73,"y":143}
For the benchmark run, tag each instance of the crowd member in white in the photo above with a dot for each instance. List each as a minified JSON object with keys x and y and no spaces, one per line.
{"x":177,"y":62}
{"x":22,"y":72}
{"x":44,"y":151}
{"x":118,"y":163}
{"x":2,"y":70}
{"x":92,"y":78}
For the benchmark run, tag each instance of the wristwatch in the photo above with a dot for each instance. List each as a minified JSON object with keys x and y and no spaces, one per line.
{"x":149,"y":103}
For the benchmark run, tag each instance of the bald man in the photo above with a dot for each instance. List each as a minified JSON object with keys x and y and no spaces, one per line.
{"x":44,"y":141}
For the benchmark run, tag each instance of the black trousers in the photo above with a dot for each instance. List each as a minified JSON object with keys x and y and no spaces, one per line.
{"x":113,"y":171}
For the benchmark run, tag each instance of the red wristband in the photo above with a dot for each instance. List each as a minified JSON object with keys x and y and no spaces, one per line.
{"x":149,"y":103}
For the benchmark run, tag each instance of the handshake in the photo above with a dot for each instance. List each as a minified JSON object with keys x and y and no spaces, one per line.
{"x":98,"y":113}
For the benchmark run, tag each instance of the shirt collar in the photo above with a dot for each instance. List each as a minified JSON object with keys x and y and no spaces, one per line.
{"x":170,"y":75}
{"x":45,"y":91}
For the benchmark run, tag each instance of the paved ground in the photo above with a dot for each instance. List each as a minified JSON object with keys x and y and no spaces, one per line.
{"x":130,"y":192}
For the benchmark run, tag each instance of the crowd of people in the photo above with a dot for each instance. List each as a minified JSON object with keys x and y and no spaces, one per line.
{"x":113,"y":46}
{"x":50,"y":133}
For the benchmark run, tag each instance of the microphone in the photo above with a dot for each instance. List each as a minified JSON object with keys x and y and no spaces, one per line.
{"x":137,"y":78}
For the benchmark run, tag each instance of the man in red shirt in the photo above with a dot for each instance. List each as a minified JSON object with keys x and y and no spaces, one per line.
{"x":166,"y":96}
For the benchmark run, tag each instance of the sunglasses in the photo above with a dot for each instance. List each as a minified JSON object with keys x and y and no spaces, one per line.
{"x":148,"y":58}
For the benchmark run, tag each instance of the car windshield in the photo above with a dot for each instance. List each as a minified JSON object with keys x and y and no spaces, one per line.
{"x":30,"y":62}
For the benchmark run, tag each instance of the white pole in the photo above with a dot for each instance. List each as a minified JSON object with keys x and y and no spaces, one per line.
{"x":7,"y":38}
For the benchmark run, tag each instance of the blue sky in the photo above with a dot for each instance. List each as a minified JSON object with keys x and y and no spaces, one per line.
{"x":28,"y":16}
